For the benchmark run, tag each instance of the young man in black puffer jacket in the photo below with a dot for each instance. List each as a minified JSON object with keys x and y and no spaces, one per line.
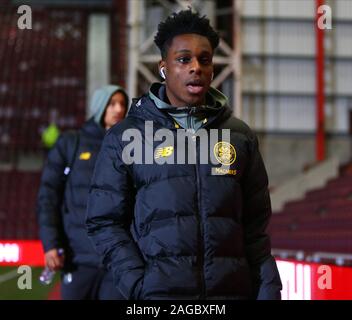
{"x":62,"y":201}
{"x":183,"y":218}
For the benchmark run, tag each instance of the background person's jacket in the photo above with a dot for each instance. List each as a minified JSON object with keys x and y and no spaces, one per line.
{"x":177,"y":231}
{"x":62,"y":200}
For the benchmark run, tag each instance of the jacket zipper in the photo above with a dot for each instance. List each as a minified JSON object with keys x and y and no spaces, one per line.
{"x":190,"y":120}
{"x":200,"y":262}
{"x":200,"y":256}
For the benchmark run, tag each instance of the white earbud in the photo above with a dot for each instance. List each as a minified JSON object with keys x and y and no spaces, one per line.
{"x":162,"y":73}
{"x":212,"y":76}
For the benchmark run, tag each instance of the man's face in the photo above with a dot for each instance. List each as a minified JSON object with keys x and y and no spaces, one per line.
{"x":115,"y":110}
{"x":188,"y":67}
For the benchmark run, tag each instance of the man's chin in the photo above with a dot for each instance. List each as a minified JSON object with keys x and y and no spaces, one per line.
{"x":196,"y":102}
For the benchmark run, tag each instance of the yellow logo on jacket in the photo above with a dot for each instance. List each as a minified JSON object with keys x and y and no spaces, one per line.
{"x":163,"y":152}
{"x":225,"y":153}
{"x":85,"y":156}
{"x":223,"y":172}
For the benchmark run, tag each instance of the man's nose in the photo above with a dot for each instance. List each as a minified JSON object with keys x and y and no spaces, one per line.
{"x":195,"y":66}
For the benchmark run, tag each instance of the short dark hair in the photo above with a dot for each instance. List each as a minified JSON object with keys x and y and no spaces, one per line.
{"x":184,"y":22}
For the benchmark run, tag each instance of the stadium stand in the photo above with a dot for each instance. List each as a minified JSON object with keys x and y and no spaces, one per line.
{"x":43,"y":76}
{"x":17,"y":204}
{"x":42,"y":80}
{"x":322,"y":221}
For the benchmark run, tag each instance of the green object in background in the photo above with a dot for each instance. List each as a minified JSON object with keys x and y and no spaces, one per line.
{"x":50,"y":135}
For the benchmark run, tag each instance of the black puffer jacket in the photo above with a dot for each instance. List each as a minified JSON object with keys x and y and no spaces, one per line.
{"x":62,"y":200}
{"x":183,"y":231}
{"x":67,"y":229}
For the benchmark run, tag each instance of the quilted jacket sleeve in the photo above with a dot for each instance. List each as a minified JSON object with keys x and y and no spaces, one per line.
{"x":109,"y":216}
{"x":50,"y":197}
{"x":257,"y":212}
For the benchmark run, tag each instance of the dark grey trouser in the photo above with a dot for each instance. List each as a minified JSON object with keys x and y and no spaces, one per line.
{"x":88,"y":283}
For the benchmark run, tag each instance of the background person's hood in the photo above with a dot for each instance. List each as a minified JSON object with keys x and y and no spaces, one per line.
{"x":100,"y":99}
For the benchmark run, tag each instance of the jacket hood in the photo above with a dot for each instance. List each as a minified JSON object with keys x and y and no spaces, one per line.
{"x":154,"y":106}
{"x":214,"y":99}
{"x":100,"y":100}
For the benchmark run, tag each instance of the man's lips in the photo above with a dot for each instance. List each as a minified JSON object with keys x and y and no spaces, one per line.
{"x":195,"y":87}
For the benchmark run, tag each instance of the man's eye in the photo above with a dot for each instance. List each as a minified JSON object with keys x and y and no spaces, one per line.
{"x":206,"y":60}
{"x":184,"y":59}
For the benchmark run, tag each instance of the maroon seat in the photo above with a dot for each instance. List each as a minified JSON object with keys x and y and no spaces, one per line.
{"x":17,"y":204}
{"x":43,"y":71}
{"x":321,"y":221}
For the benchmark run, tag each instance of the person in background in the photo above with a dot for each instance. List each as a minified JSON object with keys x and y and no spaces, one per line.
{"x":62,"y":199}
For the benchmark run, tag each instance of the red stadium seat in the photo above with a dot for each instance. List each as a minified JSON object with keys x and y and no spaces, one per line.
{"x":322,"y":221}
